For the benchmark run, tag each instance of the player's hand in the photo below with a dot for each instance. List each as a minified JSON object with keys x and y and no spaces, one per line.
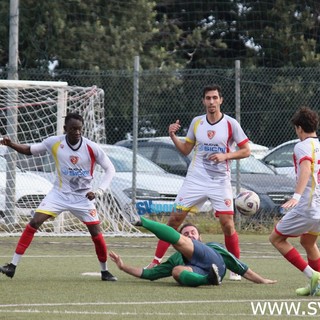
{"x":290,"y":203}
{"x":269,"y":281}
{"x":6,"y":141}
{"x":174,"y":127}
{"x":116,"y":258}
{"x":217,"y":157}
{"x":91,"y":195}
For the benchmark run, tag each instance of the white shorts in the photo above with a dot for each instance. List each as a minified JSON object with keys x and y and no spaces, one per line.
{"x":81,"y":207}
{"x":193,"y":194}
{"x":294,"y":225}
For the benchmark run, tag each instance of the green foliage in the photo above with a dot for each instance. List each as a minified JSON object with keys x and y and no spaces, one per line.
{"x":167,"y":35}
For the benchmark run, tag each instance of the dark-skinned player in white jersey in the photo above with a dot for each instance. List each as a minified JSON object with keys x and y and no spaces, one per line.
{"x":75,"y":158}
{"x":213,"y":137}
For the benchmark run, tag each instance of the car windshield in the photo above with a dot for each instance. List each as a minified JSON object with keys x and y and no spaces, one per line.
{"x":122,"y":161}
{"x":251,"y":165}
{"x":281,"y":157}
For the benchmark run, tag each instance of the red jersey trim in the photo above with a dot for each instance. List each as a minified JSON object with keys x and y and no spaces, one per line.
{"x":93,"y":159}
{"x":306,"y":158}
{"x":217,"y":213}
{"x":243,"y":142}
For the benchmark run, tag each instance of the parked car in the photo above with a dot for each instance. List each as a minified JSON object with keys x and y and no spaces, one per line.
{"x":273,"y":189}
{"x":257,"y":150}
{"x":281,"y":158}
{"x":30,"y":190}
{"x":162,"y":151}
{"x":157,"y":189}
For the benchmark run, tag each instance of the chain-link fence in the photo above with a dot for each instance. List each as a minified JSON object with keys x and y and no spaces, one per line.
{"x":268,"y":99}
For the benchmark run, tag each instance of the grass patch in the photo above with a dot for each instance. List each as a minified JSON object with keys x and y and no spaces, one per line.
{"x":49,"y":283}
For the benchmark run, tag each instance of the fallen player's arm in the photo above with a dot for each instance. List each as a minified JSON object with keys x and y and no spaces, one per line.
{"x":134,"y":271}
{"x":256,"y":278}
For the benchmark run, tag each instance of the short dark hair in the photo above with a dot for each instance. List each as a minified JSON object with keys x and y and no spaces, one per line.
{"x":75,"y":116}
{"x":213,"y":87}
{"x":307,"y":119}
{"x":189,"y":225}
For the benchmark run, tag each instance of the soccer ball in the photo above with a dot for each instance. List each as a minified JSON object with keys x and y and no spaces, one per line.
{"x":247,"y":203}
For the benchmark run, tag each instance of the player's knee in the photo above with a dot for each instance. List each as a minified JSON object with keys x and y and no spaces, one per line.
{"x":175,"y":273}
{"x":228,"y":228}
{"x":35,"y":224}
{"x":175,"y":221}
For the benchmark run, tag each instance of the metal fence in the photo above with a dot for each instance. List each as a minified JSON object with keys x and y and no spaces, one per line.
{"x":268,"y":98}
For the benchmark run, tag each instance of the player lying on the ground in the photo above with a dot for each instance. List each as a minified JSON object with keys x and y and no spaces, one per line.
{"x":195,"y":263}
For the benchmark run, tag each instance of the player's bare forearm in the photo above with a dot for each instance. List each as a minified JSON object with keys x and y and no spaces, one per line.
{"x":256,"y":278}
{"x":21,"y":148}
{"x":134,"y":271}
{"x":304,"y":176}
{"x":243,"y":152}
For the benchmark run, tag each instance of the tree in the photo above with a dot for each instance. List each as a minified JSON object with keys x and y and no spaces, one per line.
{"x":90,"y":35}
{"x":260,"y":33}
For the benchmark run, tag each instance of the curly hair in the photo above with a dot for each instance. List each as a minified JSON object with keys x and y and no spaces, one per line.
{"x":307,"y":119}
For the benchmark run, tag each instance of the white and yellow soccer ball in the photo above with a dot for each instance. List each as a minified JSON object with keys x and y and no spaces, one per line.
{"x":247,"y":203}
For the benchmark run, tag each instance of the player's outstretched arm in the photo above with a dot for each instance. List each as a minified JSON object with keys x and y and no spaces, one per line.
{"x":256,"y":278}
{"x":21,"y":148}
{"x":134,"y":271}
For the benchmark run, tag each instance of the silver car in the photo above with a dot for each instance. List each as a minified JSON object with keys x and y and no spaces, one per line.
{"x":280,"y":158}
{"x":156,"y":189}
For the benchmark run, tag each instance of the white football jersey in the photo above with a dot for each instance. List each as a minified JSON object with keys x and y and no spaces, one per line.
{"x":309,"y":149}
{"x":219,"y":137}
{"x":75,"y":165}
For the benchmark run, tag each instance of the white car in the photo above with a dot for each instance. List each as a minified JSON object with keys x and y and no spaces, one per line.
{"x":30,"y":190}
{"x":280,"y":158}
{"x":156,"y":189}
{"x":257,"y":150}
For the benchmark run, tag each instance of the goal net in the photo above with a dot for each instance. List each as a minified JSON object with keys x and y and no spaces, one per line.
{"x":29,"y":112}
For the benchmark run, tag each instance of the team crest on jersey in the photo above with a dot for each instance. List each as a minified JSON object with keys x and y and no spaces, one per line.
{"x":93,"y":212}
{"x":227,"y":202}
{"x":211,"y":134}
{"x":74,"y":159}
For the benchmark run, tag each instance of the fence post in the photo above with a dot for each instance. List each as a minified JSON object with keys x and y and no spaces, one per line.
{"x":135,"y":127}
{"x":238,"y":118}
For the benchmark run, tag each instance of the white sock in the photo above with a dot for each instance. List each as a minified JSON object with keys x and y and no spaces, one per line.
{"x":104,"y":266}
{"x":308,"y":271}
{"x":16,"y":258}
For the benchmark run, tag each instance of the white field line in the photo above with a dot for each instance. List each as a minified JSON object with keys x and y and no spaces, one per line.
{"x":147,"y":302}
{"x":19,"y":308}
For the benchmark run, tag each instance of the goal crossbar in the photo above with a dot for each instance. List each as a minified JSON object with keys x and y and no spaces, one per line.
{"x":30,"y":84}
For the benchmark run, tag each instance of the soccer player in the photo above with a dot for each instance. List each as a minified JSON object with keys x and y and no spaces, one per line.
{"x":75,"y":157}
{"x":194,"y":263}
{"x":212,"y":136}
{"x":303,"y":218}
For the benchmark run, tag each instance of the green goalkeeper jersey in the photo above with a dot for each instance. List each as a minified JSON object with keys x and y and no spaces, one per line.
{"x":164,"y":269}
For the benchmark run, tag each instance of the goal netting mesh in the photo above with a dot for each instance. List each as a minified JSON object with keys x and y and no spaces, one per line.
{"x":29,"y":112}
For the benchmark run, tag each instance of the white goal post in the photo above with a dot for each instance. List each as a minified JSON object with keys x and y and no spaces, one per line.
{"x":29,"y":112}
